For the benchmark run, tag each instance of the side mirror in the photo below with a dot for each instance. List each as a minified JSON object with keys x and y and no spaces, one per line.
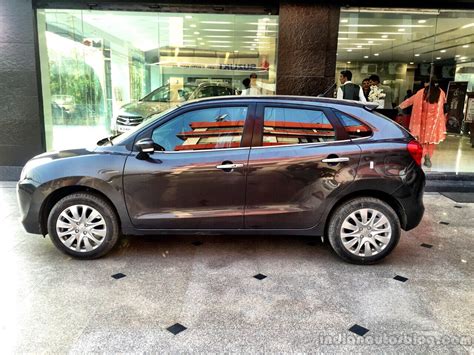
{"x":145,"y":145}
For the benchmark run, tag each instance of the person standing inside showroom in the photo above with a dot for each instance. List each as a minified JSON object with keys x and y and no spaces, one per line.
{"x":253,"y":88}
{"x":348,"y":90}
{"x":374,"y":80}
{"x":428,"y":120}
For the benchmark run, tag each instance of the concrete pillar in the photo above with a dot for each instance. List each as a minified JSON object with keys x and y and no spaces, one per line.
{"x":21,"y":131}
{"x":307,"y":45}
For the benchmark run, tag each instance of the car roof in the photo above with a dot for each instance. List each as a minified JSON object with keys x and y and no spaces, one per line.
{"x":288,"y":98}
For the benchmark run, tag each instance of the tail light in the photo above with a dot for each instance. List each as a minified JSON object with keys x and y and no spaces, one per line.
{"x":416,"y":151}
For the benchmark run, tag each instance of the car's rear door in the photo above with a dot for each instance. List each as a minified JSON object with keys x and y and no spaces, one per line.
{"x":301,"y":156}
{"x":198,"y":182}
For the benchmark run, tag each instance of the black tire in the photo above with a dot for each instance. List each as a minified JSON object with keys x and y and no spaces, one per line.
{"x":343,"y":211}
{"x":99,"y":204}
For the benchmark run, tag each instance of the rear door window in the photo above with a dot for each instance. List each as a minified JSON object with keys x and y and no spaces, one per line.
{"x":296,"y":126}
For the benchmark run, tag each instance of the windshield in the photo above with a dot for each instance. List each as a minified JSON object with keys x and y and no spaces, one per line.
{"x":166,"y":94}
{"x":149,"y":120}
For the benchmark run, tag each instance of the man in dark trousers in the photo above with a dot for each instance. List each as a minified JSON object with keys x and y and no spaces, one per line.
{"x":349,"y":90}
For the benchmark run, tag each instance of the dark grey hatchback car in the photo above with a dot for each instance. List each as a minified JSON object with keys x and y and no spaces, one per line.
{"x":254,"y":165}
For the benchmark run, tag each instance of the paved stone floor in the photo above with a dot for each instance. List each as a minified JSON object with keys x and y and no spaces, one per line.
{"x":307,"y":303}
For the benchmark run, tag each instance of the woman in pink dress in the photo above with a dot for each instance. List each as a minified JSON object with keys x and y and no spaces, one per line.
{"x":428,"y":121}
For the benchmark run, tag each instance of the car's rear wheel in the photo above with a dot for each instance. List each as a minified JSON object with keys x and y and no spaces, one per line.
{"x":83,"y":225}
{"x":364,"y":230}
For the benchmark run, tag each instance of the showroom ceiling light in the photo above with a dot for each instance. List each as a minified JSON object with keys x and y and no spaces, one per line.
{"x":412,"y":63}
{"x":443,"y":51}
{"x":188,"y":16}
{"x":220,"y":41}
{"x":216,"y":30}
{"x":438,"y":58}
{"x":376,"y":54}
{"x":219,"y":46}
{"x":401,"y":30}
{"x":266,"y":23}
{"x":192,"y":25}
{"x":216,"y":36}
{"x":421,"y":21}
{"x":384,"y":36}
{"x":266,"y":31}
{"x":466,"y":46}
{"x":196,"y":33}
{"x":468,"y":25}
{"x":366,"y":56}
{"x":374,"y":26}
{"x":217,"y":22}
{"x":417,"y":55}
{"x":344,"y":20}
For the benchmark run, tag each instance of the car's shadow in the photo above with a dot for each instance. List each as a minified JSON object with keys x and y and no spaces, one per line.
{"x":144,"y":245}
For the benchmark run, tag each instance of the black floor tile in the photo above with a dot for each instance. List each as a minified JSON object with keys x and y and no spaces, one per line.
{"x":445,"y":223}
{"x":118,"y":276}
{"x":197,"y":243}
{"x":359,"y":330}
{"x":400,"y":278}
{"x":176,"y":328}
{"x":260,"y":276}
{"x":424,"y":245}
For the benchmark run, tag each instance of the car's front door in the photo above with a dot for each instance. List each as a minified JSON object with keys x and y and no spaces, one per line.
{"x":300,"y":158}
{"x":198,"y":181}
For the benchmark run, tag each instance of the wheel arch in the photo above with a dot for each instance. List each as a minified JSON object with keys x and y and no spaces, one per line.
{"x":64,"y":191}
{"x":381,"y":195}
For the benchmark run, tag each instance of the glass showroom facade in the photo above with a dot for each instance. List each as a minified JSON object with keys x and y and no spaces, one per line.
{"x":404,"y":47}
{"x":99,"y":68}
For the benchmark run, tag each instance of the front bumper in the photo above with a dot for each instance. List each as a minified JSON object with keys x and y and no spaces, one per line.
{"x":29,"y":208}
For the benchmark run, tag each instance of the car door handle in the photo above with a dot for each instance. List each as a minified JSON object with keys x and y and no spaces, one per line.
{"x":335,"y":160}
{"x":229,"y":166}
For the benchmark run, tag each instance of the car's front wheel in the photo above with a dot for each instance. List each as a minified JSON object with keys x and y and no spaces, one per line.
{"x":83,"y":225}
{"x":364,"y":230}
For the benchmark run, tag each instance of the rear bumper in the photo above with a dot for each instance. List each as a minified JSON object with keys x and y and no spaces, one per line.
{"x":410,"y":197}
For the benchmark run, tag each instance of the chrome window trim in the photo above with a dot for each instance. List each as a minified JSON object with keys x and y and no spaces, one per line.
{"x":302,"y":144}
{"x":200,"y":150}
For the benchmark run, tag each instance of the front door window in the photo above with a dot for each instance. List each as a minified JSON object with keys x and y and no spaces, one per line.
{"x":210,"y":128}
